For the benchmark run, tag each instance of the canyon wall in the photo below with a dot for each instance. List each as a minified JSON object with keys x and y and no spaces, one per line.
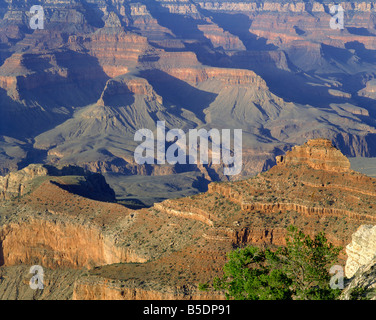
{"x":56,"y":244}
{"x":93,"y":288}
{"x":243,"y":6}
{"x":287,"y":206}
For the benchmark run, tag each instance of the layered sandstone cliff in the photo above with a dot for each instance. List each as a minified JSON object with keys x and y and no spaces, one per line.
{"x":315,"y":182}
{"x":319,"y":154}
{"x":59,"y":244}
{"x":50,"y":227}
{"x":117,"y":51}
{"x":283,"y":7}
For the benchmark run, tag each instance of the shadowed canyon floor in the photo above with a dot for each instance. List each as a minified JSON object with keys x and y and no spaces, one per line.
{"x":102,"y":250}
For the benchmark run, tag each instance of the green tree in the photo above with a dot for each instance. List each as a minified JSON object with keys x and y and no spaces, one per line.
{"x":307,"y":262}
{"x":248,"y":277}
{"x":300,"y":270}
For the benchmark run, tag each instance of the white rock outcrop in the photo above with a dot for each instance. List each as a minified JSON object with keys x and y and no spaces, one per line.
{"x":361,"y":250}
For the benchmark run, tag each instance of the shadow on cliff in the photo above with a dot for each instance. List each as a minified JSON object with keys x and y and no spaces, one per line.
{"x":361,"y":51}
{"x":93,"y":14}
{"x":22,"y":121}
{"x":239,"y":25}
{"x":27,"y":112}
{"x":82,"y":182}
{"x":117,"y":94}
{"x":186,"y":27}
{"x":82,"y":85}
{"x":92,"y":188}
{"x":180,"y":93}
{"x":183,"y":26}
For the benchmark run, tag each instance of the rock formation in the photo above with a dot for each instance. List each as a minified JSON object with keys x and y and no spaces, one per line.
{"x":319,"y":154}
{"x":360,"y":265}
{"x":17,"y":184}
{"x":54,"y":224}
{"x":102,"y":69}
{"x":361,"y":251}
{"x":14,"y":183}
{"x":256,"y":211}
{"x":362,"y":284}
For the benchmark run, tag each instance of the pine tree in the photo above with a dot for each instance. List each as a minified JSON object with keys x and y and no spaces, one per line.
{"x":300,"y":270}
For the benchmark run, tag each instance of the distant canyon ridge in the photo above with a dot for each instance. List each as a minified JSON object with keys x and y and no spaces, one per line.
{"x":76,"y":92}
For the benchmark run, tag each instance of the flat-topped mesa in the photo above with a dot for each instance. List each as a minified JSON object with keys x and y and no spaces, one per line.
{"x":319,"y":154}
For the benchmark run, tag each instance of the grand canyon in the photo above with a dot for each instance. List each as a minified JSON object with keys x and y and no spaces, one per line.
{"x":74,"y":93}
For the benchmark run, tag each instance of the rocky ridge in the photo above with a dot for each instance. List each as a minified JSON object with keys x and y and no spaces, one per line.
{"x":166,"y":250}
{"x":319,"y":154}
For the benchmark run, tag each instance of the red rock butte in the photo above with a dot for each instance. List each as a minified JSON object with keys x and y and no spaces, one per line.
{"x":319,"y":154}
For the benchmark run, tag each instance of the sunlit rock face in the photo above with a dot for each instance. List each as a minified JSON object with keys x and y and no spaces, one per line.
{"x":361,"y":250}
{"x":318,"y":154}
